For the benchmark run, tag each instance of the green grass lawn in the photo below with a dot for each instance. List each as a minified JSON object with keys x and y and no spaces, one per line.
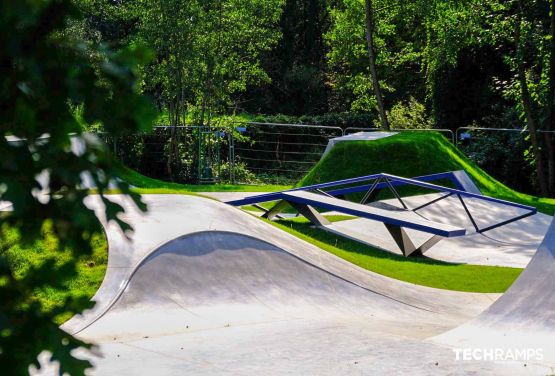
{"x":411,"y":154}
{"x":418,"y":270}
{"x":144,"y":184}
{"x":90,"y":268}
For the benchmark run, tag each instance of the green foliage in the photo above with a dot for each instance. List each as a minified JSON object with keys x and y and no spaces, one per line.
{"x":241,"y":173}
{"x":144,"y":184}
{"x":205,"y":50}
{"x":110,"y":22}
{"x":521,"y":34}
{"x":183,"y":166}
{"x":296,"y":65}
{"x":503,"y":156}
{"x":90,"y":269}
{"x":46,"y":74}
{"x":411,"y":115}
{"x":330,"y":119}
{"x":348,"y":54}
{"x":399,"y":36}
{"x":451,"y":26}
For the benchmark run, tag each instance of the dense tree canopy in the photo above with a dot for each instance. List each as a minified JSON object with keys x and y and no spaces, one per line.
{"x":485,"y":63}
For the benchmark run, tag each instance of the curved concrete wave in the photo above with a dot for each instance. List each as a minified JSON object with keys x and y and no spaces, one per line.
{"x":214,"y":278}
{"x":203,"y":288}
{"x":173,"y":216}
{"x":524,"y":317}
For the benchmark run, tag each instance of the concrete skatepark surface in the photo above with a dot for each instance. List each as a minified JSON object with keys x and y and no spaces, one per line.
{"x":524,"y":316}
{"x":359,"y":136}
{"x":203,"y":288}
{"x":511,"y":245}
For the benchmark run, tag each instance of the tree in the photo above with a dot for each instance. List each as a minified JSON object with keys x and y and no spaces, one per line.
{"x":206,"y":51}
{"x":48,"y":89}
{"x":369,"y":11}
{"x":296,"y":65}
{"x":523,"y":31}
{"x":375,"y":47}
{"x":534,"y":35}
{"x":526,"y":98}
{"x":549,"y":139}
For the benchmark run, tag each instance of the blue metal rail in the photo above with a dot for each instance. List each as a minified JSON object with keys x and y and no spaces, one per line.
{"x":376,"y":182}
{"x":266,"y":197}
{"x":377,"y":214}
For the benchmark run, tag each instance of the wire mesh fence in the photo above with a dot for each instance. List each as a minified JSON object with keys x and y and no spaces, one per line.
{"x":278,"y":152}
{"x":250,"y":152}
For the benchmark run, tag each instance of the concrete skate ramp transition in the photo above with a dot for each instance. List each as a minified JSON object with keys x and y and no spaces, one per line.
{"x":524,"y":317}
{"x":203,"y":288}
{"x":217,"y":279}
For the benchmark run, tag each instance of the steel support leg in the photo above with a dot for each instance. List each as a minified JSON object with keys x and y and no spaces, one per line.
{"x":405,"y":243}
{"x":402,"y":239}
{"x":372,"y":196}
{"x":395,"y":193}
{"x":311,"y":214}
{"x":323,"y":193}
{"x":275,"y":210}
{"x":263,"y":209}
{"x":429,"y":243}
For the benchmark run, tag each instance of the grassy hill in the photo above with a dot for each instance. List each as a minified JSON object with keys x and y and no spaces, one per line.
{"x":412,"y":154}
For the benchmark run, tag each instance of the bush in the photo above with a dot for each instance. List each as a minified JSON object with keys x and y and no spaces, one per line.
{"x":332,"y":119}
{"x":277,"y":179}
{"x":502,"y":155}
{"x":240,"y":171}
{"x":411,"y":115}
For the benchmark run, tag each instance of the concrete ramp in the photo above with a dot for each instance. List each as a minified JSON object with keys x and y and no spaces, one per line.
{"x":203,"y":288}
{"x":513,"y":245}
{"x":524,"y":317}
{"x":219,"y":279}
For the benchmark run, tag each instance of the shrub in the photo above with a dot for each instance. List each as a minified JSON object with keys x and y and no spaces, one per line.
{"x":332,"y":119}
{"x":240,"y":171}
{"x":410,"y":115}
{"x":501,"y":154}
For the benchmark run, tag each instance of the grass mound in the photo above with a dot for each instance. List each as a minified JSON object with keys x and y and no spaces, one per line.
{"x":411,"y":154}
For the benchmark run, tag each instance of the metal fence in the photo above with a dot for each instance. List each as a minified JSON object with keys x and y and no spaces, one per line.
{"x":270,"y":150}
{"x":466,"y":133}
{"x":242,"y":152}
{"x":196,"y":155}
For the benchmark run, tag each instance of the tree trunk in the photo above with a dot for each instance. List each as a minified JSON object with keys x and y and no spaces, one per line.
{"x":550,"y":123}
{"x":372,"y":63}
{"x":169,"y":164}
{"x":528,"y":105}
